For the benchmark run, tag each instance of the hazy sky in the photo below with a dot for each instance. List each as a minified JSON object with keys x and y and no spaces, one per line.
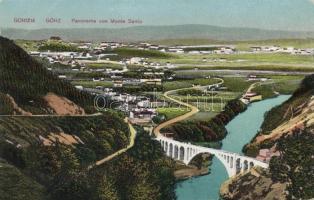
{"x":267,"y":14}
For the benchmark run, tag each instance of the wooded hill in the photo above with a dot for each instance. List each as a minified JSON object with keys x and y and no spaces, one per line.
{"x":27,"y":81}
{"x":46,"y":157}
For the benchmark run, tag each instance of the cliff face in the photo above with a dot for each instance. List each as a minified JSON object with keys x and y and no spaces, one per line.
{"x":303,"y":117}
{"x":286,"y":142}
{"x":294,"y":114}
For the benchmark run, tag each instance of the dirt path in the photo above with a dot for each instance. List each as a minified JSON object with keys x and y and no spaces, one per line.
{"x":47,"y":115}
{"x":117,"y":153}
{"x":252,"y":86}
{"x":193,"y":109}
{"x":105,"y":159}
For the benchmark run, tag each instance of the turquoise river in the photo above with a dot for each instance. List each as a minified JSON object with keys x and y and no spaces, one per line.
{"x":240,"y":131}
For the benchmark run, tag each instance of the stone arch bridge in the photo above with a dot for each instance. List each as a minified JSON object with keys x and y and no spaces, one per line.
{"x":234,"y":163}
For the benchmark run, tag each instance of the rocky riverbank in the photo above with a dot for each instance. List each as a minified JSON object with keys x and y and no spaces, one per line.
{"x":255,"y":184}
{"x":190,"y":171}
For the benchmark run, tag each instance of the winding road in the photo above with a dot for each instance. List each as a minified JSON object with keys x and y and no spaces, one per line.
{"x":105,"y":159}
{"x":193,"y":109}
{"x":117,"y":153}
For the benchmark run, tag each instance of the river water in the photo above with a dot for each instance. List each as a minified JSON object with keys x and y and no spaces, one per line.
{"x":240,"y":131}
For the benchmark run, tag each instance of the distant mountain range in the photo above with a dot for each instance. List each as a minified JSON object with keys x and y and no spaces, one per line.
{"x":150,"y":33}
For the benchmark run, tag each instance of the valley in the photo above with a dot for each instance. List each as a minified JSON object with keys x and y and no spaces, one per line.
{"x":100,"y":113}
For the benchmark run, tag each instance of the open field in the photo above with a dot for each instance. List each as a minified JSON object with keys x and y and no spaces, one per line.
{"x":241,"y":45}
{"x":202,"y":116}
{"x":172,"y":85}
{"x":208,"y":104}
{"x":215,"y":97}
{"x":91,"y":84}
{"x":210,"y":107}
{"x":239,"y":59}
{"x":278,"y":84}
{"x":128,"y":52}
{"x":235,"y":84}
{"x":172,"y":112}
{"x":270,"y":67}
{"x":243,"y":61}
{"x":297,"y":43}
{"x":104,"y":65}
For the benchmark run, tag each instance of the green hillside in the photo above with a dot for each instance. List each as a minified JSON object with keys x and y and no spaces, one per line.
{"x":12,"y":180}
{"x":27,"y":81}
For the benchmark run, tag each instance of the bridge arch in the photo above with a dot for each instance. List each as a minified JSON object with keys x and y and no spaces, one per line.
{"x":245,"y":165}
{"x":185,"y":152}
{"x":166,"y":147}
{"x":231,"y":162}
{"x":176,"y":152}
{"x":222,"y":158}
{"x":238,"y":165}
{"x":251,"y":164}
{"x":181,"y":153}
{"x":171,"y":150}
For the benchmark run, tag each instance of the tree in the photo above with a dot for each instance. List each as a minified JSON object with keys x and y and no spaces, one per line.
{"x":143,"y":190}
{"x":106,"y":190}
{"x":295,"y":165}
{"x":158,"y":119}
